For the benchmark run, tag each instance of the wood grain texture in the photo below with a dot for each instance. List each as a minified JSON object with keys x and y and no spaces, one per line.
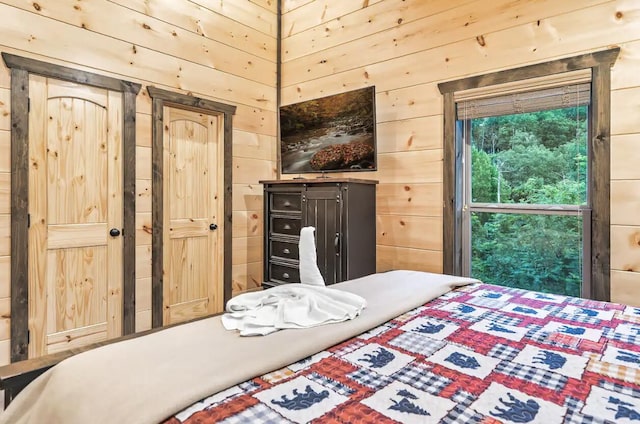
{"x":113,"y":21}
{"x":250,"y":171}
{"x":624,"y":287}
{"x":409,"y":231}
{"x":391,"y":257}
{"x":599,"y":182}
{"x":413,"y":36}
{"x":625,"y":202}
{"x":376,"y":20}
{"x":622,"y":74}
{"x":19,"y":210}
{"x":5,"y":151}
{"x":318,"y":12}
{"x":409,"y":134}
{"x":626,"y":157}
{"x":5,"y":315}
{"x":420,"y":199}
{"x":125,"y":58}
{"x":247,"y":223}
{"x":409,"y":102}
{"x":246,"y":250}
{"x":625,"y":248}
{"x":5,"y":235}
{"x":422,"y":166}
{"x":247,"y":197}
{"x":5,"y":277}
{"x":143,"y":196}
{"x":254,"y":146}
{"x":626,"y":122}
{"x":212,"y":23}
{"x":502,"y":50}
{"x":247,"y":277}
{"x":5,"y":193}
{"x":5,"y":109}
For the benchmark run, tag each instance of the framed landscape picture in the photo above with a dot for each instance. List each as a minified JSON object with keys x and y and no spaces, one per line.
{"x":331,"y":134}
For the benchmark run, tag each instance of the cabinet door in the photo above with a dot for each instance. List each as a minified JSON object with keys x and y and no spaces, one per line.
{"x":322,"y":209}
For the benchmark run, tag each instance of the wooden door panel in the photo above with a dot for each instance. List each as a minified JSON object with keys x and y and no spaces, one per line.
{"x":77,"y":337}
{"x":195,"y":227}
{"x":76,"y":161}
{"x":75,"y":198}
{"x":77,"y":235}
{"x":193,"y":283}
{"x":77,"y":288}
{"x":323,"y":213}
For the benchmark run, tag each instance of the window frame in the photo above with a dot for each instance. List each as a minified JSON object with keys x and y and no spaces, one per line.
{"x":600,"y":64}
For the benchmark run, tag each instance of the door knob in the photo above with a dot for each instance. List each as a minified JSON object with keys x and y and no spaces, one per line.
{"x":213,"y":227}
{"x":114,"y":232}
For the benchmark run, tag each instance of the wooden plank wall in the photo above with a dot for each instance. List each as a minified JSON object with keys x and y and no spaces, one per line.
{"x":223,"y":51}
{"x":406,"y":47}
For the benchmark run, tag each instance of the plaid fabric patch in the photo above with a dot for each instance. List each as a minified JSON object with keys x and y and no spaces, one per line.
{"x":486,"y":302}
{"x":257,"y":414}
{"x":543,"y":378}
{"x":574,"y":416}
{"x":555,"y":339}
{"x":346,"y":348}
{"x":332,"y":384}
{"x":249,"y":386}
{"x":420,"y":377}
{"x":278,"y":375}
{"x":369,"y":378}
{"x":500,"y":318}
{"x":625,"y":338}
{"x":619,"y":388}
{"x":578,"y":318}
{"x":417,"y":343}
{"x":618,"y":372}
{"x":462,"y":414}
{"x":503,"y":351}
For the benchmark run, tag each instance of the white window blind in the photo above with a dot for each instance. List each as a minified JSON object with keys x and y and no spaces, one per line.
{"x":558,"y":91}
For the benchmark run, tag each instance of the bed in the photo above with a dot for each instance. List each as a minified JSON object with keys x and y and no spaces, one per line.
{"x":428,"y":348}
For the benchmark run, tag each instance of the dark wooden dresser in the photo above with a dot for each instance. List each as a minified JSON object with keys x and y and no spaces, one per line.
{"x":343,"y":212}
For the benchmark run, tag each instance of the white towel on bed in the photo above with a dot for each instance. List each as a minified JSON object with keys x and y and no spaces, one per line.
{"x":309,"y":272}
{"x":290,"y":306}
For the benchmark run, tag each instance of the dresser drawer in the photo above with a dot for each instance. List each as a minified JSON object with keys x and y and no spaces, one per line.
{"x":285,"y":225}
{"x":284,"y":249}
{"x":284,"y":274}
{"x":286,"y":202}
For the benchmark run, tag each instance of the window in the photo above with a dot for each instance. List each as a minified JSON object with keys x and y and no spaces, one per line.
{"x":525,"y":191}
{"x":535,"y":205}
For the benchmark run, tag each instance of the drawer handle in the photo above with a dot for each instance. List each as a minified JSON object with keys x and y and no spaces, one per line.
{"x":285,"y":251}
{"x":287,"y":227}
{"x":285,"y":275}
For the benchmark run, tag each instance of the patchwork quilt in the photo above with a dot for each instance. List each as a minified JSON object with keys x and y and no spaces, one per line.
{"x":479,"y":354}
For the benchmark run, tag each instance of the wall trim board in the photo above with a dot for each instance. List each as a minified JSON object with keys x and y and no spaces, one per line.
{"x":600,"y":63}
{"x":20,"y":68}
{"x":161,"y":98}
{"x":38,"y":67}
{"x":574,"y":63}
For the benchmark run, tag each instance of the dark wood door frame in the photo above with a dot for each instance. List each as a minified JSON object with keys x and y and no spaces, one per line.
{"x":21,"y":67}
{"x":160,"y":99}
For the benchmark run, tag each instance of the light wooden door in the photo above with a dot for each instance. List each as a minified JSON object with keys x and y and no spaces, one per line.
{"x":75,"y":215}
{"x":193,"y":215}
